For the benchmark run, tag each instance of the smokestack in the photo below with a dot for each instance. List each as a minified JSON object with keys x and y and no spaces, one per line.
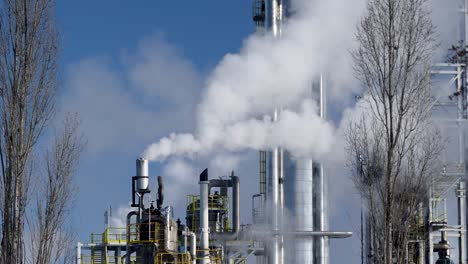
{"x":142,"y":175}
{"x":204,"y":227}
{"x":160,"y":199}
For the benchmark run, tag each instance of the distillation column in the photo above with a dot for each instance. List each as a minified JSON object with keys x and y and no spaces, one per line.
{"x":204,"y":221}
{"x":299,"y":202}
{"x":320,"y":194}
{"x":273,"y":22}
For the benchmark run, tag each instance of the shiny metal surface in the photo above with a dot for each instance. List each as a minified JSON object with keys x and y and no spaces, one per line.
{"x":299,"y":204}
{"x":204,"y":222}
{"x":193,"y":244}
{"x":331,"y":234}
{"x":142,"y":173}
{"x":274,"y":16}
{"x":323,"y":242}
{"x":273,"y":201}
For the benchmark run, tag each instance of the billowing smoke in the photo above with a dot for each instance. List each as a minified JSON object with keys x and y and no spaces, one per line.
{"x":237,"y":106}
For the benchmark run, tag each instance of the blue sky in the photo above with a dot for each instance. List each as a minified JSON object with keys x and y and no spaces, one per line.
{"x":96,"y":36}
{"x":205,"y":30}
{"x":134,"y":72}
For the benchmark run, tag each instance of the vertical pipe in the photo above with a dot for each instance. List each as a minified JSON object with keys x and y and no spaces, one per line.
{"x":273,"y":21}
{"x":421,"y":251}
{"x":274,"y":206}
{"x":193,"y":247}
{"x":280,"y":205}
{"x":461,"y":221}
{"x":129,"y":235}
{"x":431,"y":246}
{"x":324,"y":243}
{"x":168,"y":228}
{"x":185,"y":240}
{"x":204,"y":227}
{"x":235,"y":204}
{"x":78,"y":253}
{"x":193,"y":244}
{"x":465,"y":18}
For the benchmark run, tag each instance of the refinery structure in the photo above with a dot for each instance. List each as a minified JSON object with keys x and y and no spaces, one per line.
{"x":290,"y":188}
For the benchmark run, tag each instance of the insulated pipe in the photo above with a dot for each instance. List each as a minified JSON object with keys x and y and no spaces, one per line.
{"x":78,"y":253}
{"x":129,"y":216}
{"x":274,"y":14}
{"x":168,"y":227}
{"x":193,"y":244}
{"x":204,"y":227}
{"x":323,"y":189}
{"x":298,"y":233}
{"x":330,"y":234}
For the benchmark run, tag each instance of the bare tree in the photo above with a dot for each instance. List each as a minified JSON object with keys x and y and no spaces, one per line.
{"x":50,"y":238}
{"x":393,"y":148}
{"x":28,"y":58}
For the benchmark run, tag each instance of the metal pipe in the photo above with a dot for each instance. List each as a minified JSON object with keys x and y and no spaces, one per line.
{"x":129,"y":216}
{"x":274,"y":18}
{"x":185,"y":240}
{"x":204,"y":224}
{"x":323,"y":190}
{"x":281,"y":205}
{"x":461,"y":193}
{"x":235,"y":203}
{"x":330,"y":234}
{"x":193,"y":244}
{"x":302,"y":233}
{"x":78,"y":253}
{"x":235,"y":184}
{"x":168,"y":227}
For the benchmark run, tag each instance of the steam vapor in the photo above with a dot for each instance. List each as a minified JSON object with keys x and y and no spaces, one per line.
{"x":242,"y":93}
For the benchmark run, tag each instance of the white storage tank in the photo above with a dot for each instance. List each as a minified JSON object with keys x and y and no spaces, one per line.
{"x":142,"y":182}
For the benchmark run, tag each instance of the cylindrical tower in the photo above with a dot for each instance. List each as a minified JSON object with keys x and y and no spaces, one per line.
{"x":299,"y":205}
{"x":142,"y":174}
{"x":204,"y":220}
{"x":321,"y":193}
{"x":291,"y":180}
{"x":274,"y":16}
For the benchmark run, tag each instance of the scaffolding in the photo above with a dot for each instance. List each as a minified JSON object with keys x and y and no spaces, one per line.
{"x":218,"y":208}
{"x":451,"y":102}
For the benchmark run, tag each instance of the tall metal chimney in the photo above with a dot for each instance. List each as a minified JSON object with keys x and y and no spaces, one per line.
{"x":204,"y":221}
{"x":274,"y":16}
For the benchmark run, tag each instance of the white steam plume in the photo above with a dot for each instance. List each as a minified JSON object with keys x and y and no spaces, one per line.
{"x":235,"y":112}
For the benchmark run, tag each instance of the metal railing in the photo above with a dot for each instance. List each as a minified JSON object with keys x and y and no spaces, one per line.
{"x":86,"y":259}
{"x":173,"y":258}
{"x":145,"y":233}
{"x":112,"y":235}
{"x":216,"y":204}
{"x":214,"y":255}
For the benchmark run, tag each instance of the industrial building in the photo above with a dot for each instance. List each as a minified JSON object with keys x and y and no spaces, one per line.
{"x":296,"y":186}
